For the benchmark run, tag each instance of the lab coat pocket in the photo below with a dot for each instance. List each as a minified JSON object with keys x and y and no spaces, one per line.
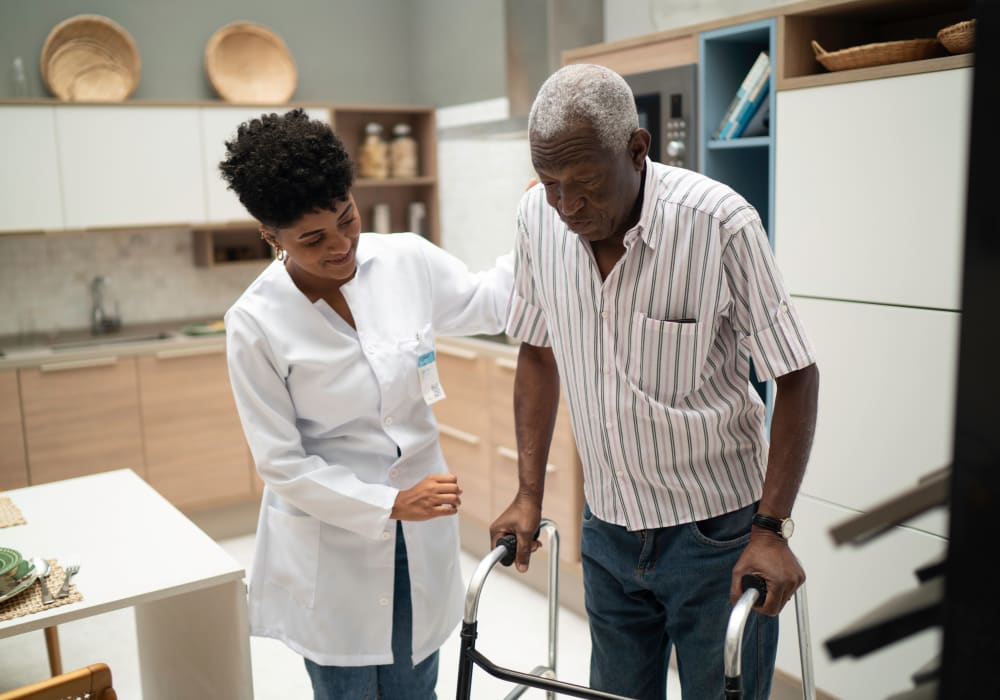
{"x":418,"y":363}
{"x":661,"y":361}
{"x":293,"y":554}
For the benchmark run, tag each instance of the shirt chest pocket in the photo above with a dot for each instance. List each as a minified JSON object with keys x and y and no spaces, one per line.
{"x":661,"y":359}
{"x":409,"y":354}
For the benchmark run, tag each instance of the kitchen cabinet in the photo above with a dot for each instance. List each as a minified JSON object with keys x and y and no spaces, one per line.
{"x":13,"y":462}
{"x":196,"y":455}
{"x":81,"y":417}
{"x":398,"y":193}
{"x":476,"y":422}
{"x":464,"y":425}
{"x":866,"y":228}
{"x":30,"y":188}
{"x":130,"y":166}
{"x":218,"y":125}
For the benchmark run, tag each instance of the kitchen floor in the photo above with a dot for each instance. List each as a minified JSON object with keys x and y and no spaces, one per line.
{"x":512,"y":632}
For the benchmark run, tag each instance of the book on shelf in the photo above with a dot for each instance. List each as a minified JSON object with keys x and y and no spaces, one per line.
{"x":759,"y":124}
{"x":749,"y":80}
{"x":747,"y":110}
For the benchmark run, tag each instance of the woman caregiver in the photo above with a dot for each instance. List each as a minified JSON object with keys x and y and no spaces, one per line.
{"x":332,"y":364}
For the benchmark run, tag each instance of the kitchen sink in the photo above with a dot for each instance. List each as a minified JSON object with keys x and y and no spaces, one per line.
{"x":98,"y":341}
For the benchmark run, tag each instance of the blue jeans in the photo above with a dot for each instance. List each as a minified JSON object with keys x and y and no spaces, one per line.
{"x":400,"y":680}
{"x":650,"y":591}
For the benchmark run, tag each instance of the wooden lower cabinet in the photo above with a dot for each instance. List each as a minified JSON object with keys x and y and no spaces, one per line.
{"x":81,"y":417}
{"x":196,"y":455}
{"x":477,"y":437}
{"x":13,"y":461}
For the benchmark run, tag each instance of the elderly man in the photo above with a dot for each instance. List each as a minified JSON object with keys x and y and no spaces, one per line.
{"x":646,"y":290}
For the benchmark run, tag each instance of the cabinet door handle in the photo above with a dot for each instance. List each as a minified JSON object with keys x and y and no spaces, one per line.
{"x":189,"y":352}
{"x":510,"y":454}
{"x":465,"y":437}
{"x":79,"y":364}
{"x":460,"y":353}
{"x":506,"y":363}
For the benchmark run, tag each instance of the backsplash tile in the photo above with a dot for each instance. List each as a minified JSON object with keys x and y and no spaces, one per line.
{"x":45,"y":280}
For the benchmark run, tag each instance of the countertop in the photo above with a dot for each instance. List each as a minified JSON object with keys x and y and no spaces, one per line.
{"x":39,"y":349}
{"x":70,"y":346}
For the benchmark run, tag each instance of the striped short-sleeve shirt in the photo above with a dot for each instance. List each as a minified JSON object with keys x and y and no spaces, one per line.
{"x":655,"y":360}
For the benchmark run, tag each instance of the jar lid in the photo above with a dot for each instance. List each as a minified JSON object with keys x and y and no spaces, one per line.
{"x":373,"y":128}
{"x":401,"y":129}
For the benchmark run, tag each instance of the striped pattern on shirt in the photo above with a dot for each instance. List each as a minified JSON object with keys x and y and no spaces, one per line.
{"x":655,"y":360}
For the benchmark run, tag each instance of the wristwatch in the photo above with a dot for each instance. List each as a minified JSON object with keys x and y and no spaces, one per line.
{"x":784,"y":527}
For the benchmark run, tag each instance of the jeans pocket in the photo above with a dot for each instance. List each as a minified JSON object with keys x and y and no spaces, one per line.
{"x":728,"y":529}
{"x":587,"y":515}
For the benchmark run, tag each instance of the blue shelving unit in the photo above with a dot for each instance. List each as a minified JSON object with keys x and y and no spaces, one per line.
{"x":745,"y":164}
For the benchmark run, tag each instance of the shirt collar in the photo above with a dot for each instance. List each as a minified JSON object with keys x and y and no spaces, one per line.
{"x":642,"y":228}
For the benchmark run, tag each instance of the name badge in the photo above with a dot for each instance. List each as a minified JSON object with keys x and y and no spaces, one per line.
{"x":430,"y":384}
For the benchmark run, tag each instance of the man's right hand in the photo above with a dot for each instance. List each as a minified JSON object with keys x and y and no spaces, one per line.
{"x":521,"y":519}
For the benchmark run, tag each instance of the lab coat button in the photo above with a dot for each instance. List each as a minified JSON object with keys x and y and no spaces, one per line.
{"x":386,"y":535}
{"x":383,"y":601}
{"x":388,"y":420}
{"x":394,"y":472}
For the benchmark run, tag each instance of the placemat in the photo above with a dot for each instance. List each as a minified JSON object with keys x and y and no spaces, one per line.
{"x":9,"y":513}
{"x":30,"y":601}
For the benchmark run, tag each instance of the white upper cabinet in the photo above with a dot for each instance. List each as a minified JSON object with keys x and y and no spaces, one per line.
{"x":871,"y":188}
{"x":218,"y":125}
{"x":30,"y":192}
{"x":130,"y":166}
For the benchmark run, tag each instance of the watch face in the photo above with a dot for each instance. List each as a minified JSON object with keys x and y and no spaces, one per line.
{"x":787,"y":528}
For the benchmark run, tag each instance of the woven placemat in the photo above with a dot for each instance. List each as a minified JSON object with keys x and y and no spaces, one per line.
{"x":9,"y":513}
{"x":30,"y":600}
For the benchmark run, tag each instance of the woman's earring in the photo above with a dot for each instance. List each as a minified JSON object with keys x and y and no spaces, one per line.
{"x":280,"y":253}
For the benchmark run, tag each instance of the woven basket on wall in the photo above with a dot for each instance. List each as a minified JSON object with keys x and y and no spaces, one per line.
{"x":247,"y":62}
{"x":959,"y":37}
{"x":877,"y":54}
{"x":90,"y":57}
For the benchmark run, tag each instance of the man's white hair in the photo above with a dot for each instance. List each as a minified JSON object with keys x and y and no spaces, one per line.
{"x":588,"y":93}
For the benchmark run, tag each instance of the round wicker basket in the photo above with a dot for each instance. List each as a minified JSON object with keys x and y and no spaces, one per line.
{"x":247,"y":62}
{"x":877,"y":54}
{"x":92,"y":58}
{"x":959,"y":37}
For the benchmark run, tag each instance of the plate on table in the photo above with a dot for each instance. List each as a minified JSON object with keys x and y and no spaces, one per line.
{"x":21,"y":585}
{"x":13,"y":567}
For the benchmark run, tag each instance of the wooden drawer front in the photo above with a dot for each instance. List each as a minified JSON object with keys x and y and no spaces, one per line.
{"x":470,"y":463}
{"x":13,"y":463}
{"x":463,"y":373}
{"x":463,"y":414}
{"x":196,"y":454}
{"x":81,"y":418}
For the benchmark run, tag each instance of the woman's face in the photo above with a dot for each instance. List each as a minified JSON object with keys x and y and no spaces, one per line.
{"x":324,"y":243}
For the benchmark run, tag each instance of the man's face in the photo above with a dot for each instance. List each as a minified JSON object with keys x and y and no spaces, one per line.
{"x":593,"y":189}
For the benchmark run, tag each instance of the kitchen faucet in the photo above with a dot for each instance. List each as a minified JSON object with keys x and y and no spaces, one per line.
{"x":104,"y":314}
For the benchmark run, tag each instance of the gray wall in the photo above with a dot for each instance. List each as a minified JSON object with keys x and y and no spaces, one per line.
{"x":624,"y":19}
{"x":438,"y":52}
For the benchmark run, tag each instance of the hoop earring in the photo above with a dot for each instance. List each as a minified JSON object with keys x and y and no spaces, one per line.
{"x":280,"y":254}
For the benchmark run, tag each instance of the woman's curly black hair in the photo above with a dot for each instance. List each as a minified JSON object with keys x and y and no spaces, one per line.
{"x":283,"y":167}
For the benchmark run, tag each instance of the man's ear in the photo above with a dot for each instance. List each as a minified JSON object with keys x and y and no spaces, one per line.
{"x":638,"y":147}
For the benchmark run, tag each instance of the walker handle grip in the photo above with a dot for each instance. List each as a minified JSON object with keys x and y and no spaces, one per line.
{"x":508,"y":541}
{"x":753,"y":581}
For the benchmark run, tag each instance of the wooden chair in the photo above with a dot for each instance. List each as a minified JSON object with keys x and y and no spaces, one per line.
{"x":92,"y":682}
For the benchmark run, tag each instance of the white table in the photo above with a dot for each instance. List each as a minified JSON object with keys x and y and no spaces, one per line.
{"x":136,"y":549}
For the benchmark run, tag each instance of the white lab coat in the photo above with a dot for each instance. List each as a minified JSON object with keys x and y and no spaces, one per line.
{"x":324,"y":410}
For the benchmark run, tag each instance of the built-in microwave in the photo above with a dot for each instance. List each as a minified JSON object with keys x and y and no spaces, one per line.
{"x":666,"y":102}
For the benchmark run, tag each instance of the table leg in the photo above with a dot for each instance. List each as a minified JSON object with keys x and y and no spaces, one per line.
{"x":52,"y":647}
{"x":196,"y":645}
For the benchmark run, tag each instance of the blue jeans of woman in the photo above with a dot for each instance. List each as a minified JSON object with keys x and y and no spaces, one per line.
{"x":400,"y":680}
{"x":648,"y":592}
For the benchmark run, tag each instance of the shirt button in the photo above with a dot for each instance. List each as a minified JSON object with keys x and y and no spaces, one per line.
{"x":383,"y":601}
{"x":388,"y":420}
{"x":607,"y":370}
{"x":604,"y":314}
{"x":619,"y":472}
{"x":386,"y":535}
{"x":608,"y":425}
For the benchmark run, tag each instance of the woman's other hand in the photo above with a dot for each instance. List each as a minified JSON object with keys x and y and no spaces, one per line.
{"x":434,"y":496}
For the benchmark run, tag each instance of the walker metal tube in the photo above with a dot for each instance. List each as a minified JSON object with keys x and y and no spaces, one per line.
{"x":733,"y":650}
{"x":805,"y":648}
